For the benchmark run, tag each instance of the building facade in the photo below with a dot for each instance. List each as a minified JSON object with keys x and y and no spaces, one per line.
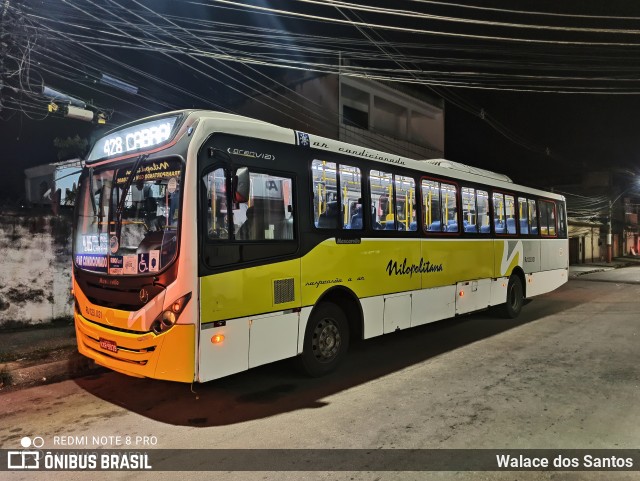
{"x":364,"y":112}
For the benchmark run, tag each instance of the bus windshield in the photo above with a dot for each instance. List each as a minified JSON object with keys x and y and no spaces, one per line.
{"x":127,"y":221}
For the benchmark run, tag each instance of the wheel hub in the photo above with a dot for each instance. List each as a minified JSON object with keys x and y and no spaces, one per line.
{"x":326,"y":340}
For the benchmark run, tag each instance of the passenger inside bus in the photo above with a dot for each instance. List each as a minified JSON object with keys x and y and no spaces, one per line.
{"x":329,"y":219}
{"x":356,"y":219}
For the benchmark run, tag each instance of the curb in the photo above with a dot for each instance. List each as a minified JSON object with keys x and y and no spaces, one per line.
{"x":578,"y":274}
{"x":23,"y":374}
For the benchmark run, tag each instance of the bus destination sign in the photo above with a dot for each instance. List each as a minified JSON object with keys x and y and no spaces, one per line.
{"x":132,"y":139}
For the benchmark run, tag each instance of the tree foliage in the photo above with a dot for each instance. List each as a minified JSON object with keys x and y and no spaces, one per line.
{"x":71,"y":147}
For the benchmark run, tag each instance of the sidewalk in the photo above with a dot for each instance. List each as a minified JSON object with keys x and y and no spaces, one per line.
{"x":578,"y":270}
{"x":45,"y":354}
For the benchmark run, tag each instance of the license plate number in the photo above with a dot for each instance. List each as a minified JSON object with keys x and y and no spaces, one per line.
{"x":108,"y":345}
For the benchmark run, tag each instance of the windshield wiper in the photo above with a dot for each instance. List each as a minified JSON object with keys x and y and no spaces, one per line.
{"x":125,"y":189}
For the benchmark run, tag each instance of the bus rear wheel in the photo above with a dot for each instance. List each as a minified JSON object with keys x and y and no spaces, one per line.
{"x":515,"y":298}
{"x":326,"y":340}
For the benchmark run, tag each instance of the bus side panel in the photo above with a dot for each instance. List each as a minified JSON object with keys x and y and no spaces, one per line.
{"x":374,"y":267}
{"x":430,"y":305}
{"x":554,"y":254}
{"x":372,"y":310}
{"x":547,"y":281}
{"x":448,"y":261}
{"x":252,"y":309}
{"x":509,"y":253}
{"x":219,"y":359}
{"x":273,"y":337}
{"x":250,"y":291}
{"x":532,"y":259}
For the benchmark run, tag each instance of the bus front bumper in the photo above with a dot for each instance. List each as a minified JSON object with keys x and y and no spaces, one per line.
{"x":169,"y":355}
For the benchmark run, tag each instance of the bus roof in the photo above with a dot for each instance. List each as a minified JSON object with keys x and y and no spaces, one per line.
{"x":246,"y":126}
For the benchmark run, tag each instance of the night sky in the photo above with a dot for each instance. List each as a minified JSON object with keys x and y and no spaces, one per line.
{"x":560,"y":82}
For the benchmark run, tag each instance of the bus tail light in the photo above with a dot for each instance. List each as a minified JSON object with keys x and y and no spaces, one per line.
{"x":169,"y":317}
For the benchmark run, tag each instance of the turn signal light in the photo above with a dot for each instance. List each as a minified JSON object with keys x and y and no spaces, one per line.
{"x":217,"y":339}
{"x":461,"y":293}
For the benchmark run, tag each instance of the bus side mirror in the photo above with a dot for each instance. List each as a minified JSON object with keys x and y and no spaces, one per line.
{"x":241,"y":183}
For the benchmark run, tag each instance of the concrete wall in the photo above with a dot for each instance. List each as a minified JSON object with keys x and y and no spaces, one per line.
{"x":35,"y":273}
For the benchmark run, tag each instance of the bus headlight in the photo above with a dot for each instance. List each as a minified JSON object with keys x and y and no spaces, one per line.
{"x":169,"y":317}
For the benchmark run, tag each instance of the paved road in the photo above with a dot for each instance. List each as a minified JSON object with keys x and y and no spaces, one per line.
{"x":566,"y":374}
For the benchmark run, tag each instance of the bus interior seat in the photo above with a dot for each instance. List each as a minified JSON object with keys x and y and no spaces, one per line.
{"x":485,"y":229}
{"x":471,"y":228}
{"x":452,"y":226}
{"x":524,"y":226}
{"x":499,"y":226}
{"x":434,"y":226}
{"x":511,"y":225}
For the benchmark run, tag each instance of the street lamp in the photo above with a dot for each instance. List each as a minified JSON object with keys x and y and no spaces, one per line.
{"x":609,"y":234}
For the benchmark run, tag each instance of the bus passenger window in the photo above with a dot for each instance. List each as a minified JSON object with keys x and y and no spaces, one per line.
{"x":533,"y":217}
{"x":562,"y":222}
{"x":326,"y":214}
{"x":469,"y":210}
{"x":268,"y":213}
{"x":498,"y":213}
{"x":449,"y":200}
{"x":547,"y":218}
{"x":216,"y":214}
{"x":351,"y":191}
{"x":510,"y":214}
{"x":484,"y":224}
{"x":431,"y":206}
{"x":383,"y":207}
{"x":523,"y":212}
{"x":405,"y":201}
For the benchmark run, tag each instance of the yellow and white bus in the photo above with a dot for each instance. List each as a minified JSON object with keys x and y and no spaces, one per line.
{"x":208,"y":243}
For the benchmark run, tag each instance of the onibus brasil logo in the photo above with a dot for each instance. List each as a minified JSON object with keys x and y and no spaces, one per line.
{"x":28,"y":457}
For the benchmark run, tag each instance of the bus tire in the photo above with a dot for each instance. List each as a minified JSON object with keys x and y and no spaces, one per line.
{"x":515,"y":297}
{"x":326,"y":340}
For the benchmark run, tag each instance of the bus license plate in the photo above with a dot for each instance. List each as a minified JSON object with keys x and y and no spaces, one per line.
{"x":108,"y":345}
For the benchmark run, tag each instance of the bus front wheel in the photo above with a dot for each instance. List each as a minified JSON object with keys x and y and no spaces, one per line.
{"x":326,"y":340}
{"x":515,"y":297}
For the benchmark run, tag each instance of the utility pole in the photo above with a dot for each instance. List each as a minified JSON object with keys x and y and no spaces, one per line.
{"x":609,"y":234}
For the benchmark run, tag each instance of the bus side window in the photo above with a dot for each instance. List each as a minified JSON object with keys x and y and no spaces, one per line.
{"x":484,"y":221}
{"x":268,"y":213}
{"x":405,"y":202}
{"x":551,"y":206}
{"x":431,"y":206}
{"x":469,"y":210}
{"x":498,"y":213}
{"x":383,"y":208}
{"x":547,"y":218}
{"x":510,"y":214}
{"x":351,"y":192}
{"x":216,"y":205}
{"x":533,"y":217}
{"x":523,"y":212}
{"x":449,"y":199}
{"x":326,"y":213}
{"x":562,"y":221}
